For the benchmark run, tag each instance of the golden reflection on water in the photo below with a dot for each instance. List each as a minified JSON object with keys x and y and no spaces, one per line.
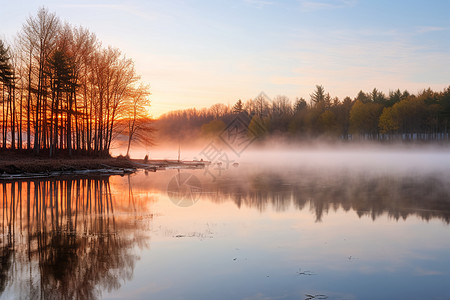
{"x":81,"y":238}
{"x":249,"y":229}
{"x":68,"y":238}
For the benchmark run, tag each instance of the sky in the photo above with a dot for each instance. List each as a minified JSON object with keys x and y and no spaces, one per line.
{"x":198,"y":53}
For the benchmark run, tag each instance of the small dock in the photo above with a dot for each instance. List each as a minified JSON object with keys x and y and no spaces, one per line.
{"x":158,"y":165}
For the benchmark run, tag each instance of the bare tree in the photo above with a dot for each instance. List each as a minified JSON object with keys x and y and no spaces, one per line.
{"x":261,"y":104}
{"x":39,"y":36}
{"x":139,"y":127}
{"x":218,"y":110}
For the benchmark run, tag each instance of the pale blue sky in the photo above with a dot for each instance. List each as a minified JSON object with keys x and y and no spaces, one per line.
{"x":197,"y":53}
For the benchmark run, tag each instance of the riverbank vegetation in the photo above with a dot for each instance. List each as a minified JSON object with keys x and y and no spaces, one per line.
{"x":62,"y":91}
{"x":370,"y":116}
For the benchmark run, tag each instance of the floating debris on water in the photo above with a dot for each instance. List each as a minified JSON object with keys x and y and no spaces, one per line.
{"x":307,"y":273}
{"x":310,"y":297}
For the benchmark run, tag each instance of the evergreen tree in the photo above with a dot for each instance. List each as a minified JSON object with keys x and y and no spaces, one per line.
{"x":318,"y":96}
{"x":238,"y":107}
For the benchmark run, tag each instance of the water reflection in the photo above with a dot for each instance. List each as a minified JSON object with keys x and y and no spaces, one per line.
{"x":267,"y":228}
{"x":367,"y":194}
{"x":66,"y":238}
{"x":427,"y":196}
{"x":81,"y":238}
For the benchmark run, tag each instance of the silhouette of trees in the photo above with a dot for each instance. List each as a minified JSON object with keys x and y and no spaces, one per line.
{"x":238,"y":107}
{"x":66,"y":90}
{"x":261,"y":106}
{"x":62,"y":92}
{"x":318,"y":96}
{"x":299,"y":105}
{"x":281,"y":113}
{"x":39,"y":36}
{"x":368,"y":116}
{"x":362,"y":97}
{"x":139,"y":126}
{"x":377,"y":96}
{"x":7,"y":81}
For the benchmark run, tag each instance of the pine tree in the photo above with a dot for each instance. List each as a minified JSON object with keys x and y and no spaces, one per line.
{"x":238,"y":107}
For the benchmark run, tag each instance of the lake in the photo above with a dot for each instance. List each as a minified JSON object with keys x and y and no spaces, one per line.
{"x":253,"y":231}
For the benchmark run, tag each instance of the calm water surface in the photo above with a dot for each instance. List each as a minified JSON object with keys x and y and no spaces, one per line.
{"x":249,"y":234}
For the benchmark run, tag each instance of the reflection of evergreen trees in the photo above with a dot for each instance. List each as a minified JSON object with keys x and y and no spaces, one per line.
{"x":399,"y":197}
{"x":62,"y":239}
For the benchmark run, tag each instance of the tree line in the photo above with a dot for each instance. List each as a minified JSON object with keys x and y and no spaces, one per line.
{"x":398,"y":116}
{"x":63,"y":92}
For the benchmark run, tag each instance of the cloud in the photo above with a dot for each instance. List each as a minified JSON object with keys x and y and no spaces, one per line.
{"x":426,"y":29}
{"x":309,"y":5}
{"x":259,"y":3}
{"x":346,"y":61}
{"x":422,"y":272}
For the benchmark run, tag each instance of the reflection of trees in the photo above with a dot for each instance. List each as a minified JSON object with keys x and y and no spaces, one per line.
{"x":397,"y":196}
{"x":62,"y":239}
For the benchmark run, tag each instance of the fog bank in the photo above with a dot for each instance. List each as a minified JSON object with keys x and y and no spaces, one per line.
{"x":333,"y":157}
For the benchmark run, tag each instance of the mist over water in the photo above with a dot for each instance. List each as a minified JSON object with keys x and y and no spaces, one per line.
{"x":345,"y":222}
{"x":342,"y":221}
{"x":371,"y":158}
{"x":389,"y":160}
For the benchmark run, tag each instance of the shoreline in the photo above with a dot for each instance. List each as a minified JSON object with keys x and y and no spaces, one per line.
{"x":21,"y":167}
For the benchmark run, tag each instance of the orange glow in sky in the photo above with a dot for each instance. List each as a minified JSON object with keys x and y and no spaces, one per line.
{"x":196,"y":54}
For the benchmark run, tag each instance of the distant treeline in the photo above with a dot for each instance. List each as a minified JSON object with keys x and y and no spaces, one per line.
{"x":61,"y":91}
{"x":369,"y":116}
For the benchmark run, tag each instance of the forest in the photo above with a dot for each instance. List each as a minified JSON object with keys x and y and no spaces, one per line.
{"x":370,"y":116}
{"x":63,"y":93}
